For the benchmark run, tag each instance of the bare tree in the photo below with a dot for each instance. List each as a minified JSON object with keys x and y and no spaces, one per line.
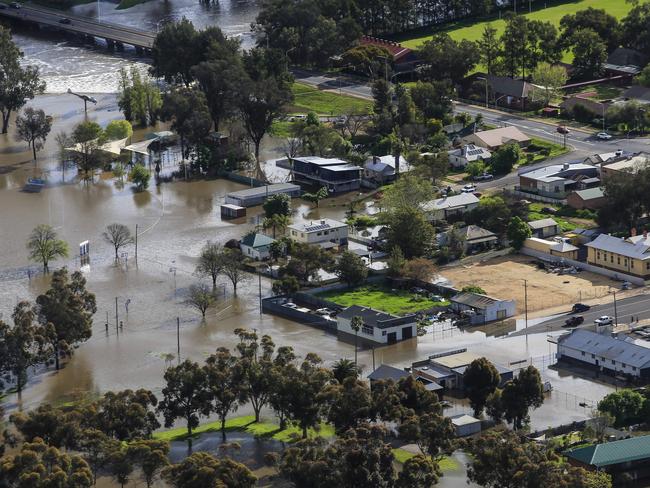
{"x":233,"y":269}
{"x":118,"y":235}
{"x":63,"y":141}
{"x":211,"y":262}
{"x":355,"y":121}
{"x":200,"y":297}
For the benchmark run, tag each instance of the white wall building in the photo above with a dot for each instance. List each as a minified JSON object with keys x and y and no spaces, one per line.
{"x":443,"y":208}
{"x":326,"y":233}
{"x":459,"y":158}
{"x":379,"y":327}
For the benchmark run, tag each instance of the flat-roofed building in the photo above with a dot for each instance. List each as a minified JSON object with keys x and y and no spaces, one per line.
{"x":252,"y":197}
{"x":327,"y":233}
{"x":378,"y":327}
{"x":335,"y":174}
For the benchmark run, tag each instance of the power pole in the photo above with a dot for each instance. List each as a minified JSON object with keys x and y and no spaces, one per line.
{"x":178,"y":339}
{"x":259,"y":284}
{"x":136,"y":244}
{"x":117,"y":322}
{"x":526,"y":301}
{"x":615,"y":312}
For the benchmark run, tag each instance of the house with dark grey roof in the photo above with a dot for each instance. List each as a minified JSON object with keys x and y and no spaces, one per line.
{"x":379,"y":328}
{"x":604,"y":353}
{"x":315,"y":172}
{"x":387,"y":372}
{"x":506,"y":91}
{"x":459,"y":158}
{"x":544,"y":228}
{"x":624,"y":61}
{"x":482,"y":308}
{"x":624,"y":459}
{"x":475,"y":238}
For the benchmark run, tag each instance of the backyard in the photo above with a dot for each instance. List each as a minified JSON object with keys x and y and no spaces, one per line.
{"x":567,"y":218}
{"x":471,"y":30}
{"x":396,"y":302}
{"x":308,"y":98}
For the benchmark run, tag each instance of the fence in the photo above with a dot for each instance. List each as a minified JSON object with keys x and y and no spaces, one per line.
{"x":245,"y":180}
{"x":274,"y":306}
{"x":534,"y":196}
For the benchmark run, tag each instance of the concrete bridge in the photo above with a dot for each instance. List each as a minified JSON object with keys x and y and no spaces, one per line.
{"x":116,"y":36}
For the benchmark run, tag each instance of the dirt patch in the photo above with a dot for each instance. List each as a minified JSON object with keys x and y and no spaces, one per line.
{"x":504,"y":277}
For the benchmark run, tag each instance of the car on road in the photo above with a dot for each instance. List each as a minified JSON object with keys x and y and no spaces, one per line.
{"x":469,"y":189}
{"x":604,"y":320}
{"x":65,"y":20}
{"x":418,"y":291}
{"x":574,"y":321}
{"x":579,"y":307}
{"x":563,"y":129}
{"x":483,"y":177}
{"x":603,"y":136}
{"x":297,"y":117}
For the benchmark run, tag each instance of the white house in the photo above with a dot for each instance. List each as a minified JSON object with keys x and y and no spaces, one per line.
{"x":378,"y":327}
{"x":326,"y":233}
{"x":443,"y":208}
{"x":470,"y":153}
{"x":465,"y":425}
{"x":482,"y":307}
{"x":256,"y":246}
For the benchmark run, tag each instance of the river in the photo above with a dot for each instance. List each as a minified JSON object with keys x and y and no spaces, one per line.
{"x":67,"y":63}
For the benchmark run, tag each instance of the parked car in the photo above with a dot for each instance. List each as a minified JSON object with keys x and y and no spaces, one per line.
{"x":296,"y":117}
{"x":324,"y":311}
{"x":469,"y":188}
{"x":604,"y":320}
{"x":436,"y":298}
{"x":626,"y":285}
{"x":483,"y":177}
{"x":603,"y":136}
{"x":418,"y":290}
{"x":563,"y":129}
{"x":290,"y":305}
{"x":65,"y":20}
{"x":579,"y":307}
{"x":550,"y":210}
{"x":574,"y":321}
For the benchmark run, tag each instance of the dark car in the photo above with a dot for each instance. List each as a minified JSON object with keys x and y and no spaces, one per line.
{"x":574,"y":321}
{"x":563,"y":130}
{"x":65,"y":20}
{"x":580,"y":307}
{"x":15,"y":5}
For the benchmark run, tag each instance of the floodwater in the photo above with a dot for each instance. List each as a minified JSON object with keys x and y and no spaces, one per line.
{"x":67,"y":63}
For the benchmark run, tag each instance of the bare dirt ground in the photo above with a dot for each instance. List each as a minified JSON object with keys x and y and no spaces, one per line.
{"x":504,"y":277}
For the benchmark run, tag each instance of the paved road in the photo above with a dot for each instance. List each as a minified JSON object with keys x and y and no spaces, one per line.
{"x":81,"y":25}
{"x":637,"y":306}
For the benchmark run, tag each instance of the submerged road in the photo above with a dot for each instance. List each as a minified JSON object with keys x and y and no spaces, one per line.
{"x":63,"y":21}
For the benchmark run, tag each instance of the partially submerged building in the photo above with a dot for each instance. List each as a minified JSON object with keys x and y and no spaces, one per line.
{"x":379,"y":328}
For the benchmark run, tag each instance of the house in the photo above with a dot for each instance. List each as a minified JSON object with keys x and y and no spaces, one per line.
{"x":379,"y":170}
{"x":257,"y":196}
{"x":508,"y":91}
{"x":586,"y":183}
{"x":495,"y":138}
{"x":230,"y":211}
{"x":560,"y":247}
{"x":475,"y":238}
{"x":465,"y":425}
{"x":625,"y":164}
{"x":400,"y":54}
{"x":447,"y":368}
{"x":256,"y":246}
{"x":604,"y":353}
{"x":623,"y":61}
{"x":326,"y":233}
{"x":544,"y":228}
{"x":626,"y":255}
{"x":459,"y":158}
{"x":596,"y":107}
{"x":446,"y":207}
{"x":597,"y":159}
{"x":387,"y":372}
{"x":481,"y":309}
{"x":315,"y":172}
{"x":379,"y":328}
{"x":591,"y":198}
{"x":637,"y":92}
{"x":556,"y":180}
{"x":624,"y":460}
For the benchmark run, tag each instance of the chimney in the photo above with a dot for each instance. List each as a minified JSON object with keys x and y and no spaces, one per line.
{"x":633,"y":232}
{"x":322,"y":222}
{"x":566,"y":166}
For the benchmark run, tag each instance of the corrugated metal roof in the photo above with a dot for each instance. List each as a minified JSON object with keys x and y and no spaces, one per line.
{"x":617,"y":452}
{"x":387,"y":372}
{"x":590,"y":193}
{"x":315,"y":226}
{"x":453,"y":201}
{"x":474,"y":300}
{"x":636,"y":248}
{"x":263,"y":190}
{"x":541,"y":223}
{"x":256,"y":240}
{"x":604,"y":346}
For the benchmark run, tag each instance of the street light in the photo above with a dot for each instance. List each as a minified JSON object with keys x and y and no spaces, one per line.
{"x":85,"y":98}
{"x":486,"y":90}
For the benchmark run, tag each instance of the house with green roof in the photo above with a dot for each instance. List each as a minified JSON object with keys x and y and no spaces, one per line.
{"x":627,"y":459}
{"x":256,"y":246}
{"x":590,"y":198}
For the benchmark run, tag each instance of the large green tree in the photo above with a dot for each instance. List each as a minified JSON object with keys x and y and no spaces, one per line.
{"x":446,"y":58}
{"x":589,"y":53}
{"x":44,"y":246}
{"x":351,"y":268}
{"x":480,"y":379}
{"x":599,"y":20}
{"x":520,"y":395}
{"x":33,"y":127}
{"x":188,"y":113}
{"x":409,"y":230}
{"x":202,"y":469}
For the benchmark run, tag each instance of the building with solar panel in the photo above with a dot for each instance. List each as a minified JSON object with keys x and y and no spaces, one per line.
{"x":459,"y":158}
{"x":326,"y":233}
{"x":336,"y":175}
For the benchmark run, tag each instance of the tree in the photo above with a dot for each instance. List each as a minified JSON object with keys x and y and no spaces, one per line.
{"x":286,"y":285}
{"x":317,"y":196}
{"x":489,"y":47}
{"x":225,"y":384}
{"x":420,"y":270}
{"x":45,"y":246}
{"x":634,"y":28}
{"x":232,"y":268}
{"x":21,"y":345}
{"x":185,"y":395}
{"x":598,"y":20}
{"x":18,"y":83}
{"x":188,"y":113}
{"x":65,"y":312}
{"x":351,"y":269}
{"x":57,"y":427}
{"x":447,"y":59}
{"x":432,"y":99}
{"x":306,"y":261}
{"x":368,"y":59}
{"x":589,"y":53}
{"x":348,"y":403}
{"x":409,"y":230}
{"x":418,"y":472}
{"x":118,"y":129}
{"x":520,"y":394}
{"x":125,"y":415}
{"x":151,"y":456}
{"x":278,"y":204}
{"x":138,"y":98}
{"x":210,"y":262}
{"x":87,"y":138}
{"x":481,"y":379}
{"x":202,"y":469}
{"x":33,"y":126}
{"x":219,"y":80}
{"x":551,"y":79}
{"x":200,"y":298}
{"x":120,"y":465}
{"x":409,"y":191}
{"x":432,"y":432}
{"x":96,"y":448}
{"x":473,"y":289}
{"x":277,"y":222}
{"x":38,"y":465}
{"x":175,"y":52}
{"x":492,"y":213}
{"x":625,"y":406}
{"x":117,"y":235}
{"x":395,"y":262}
{"x":518,"y":232}
{"x":63,"y":141}
{"x":344,"y":368}
{"x":140,"y":176}
{"x":504,"y":158}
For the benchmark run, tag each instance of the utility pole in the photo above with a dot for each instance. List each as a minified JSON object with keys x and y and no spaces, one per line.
{"x":259,"y":285}
{"x":136,"y":244}
{"x":178,"y":339}
{"x":117,"y":322}
{"x":526,"y":301}
{"x":615,"y":312}
{"x":373,"y":358}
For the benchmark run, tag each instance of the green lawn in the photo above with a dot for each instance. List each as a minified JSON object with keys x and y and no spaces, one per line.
{"x":308,"y":98}
{"x":397,"y":302}
{"x":472,"y":30}
{"x":247,"y":424}
{"x":535,"y":213}
{"x":536,"y":148}
{"x":446,"y":463}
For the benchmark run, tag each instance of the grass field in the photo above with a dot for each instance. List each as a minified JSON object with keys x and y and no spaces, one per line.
{"x":472,"y":31}
{"x":308,"y":98}
{"x":446,"y":463}
{"x":555,"y":150}
{"x":247,"y":424}
{"x":398,"y":302}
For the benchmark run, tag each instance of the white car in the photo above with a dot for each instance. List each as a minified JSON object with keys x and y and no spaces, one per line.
{"x":603,"y":136}
{"x":290,"y":305}
{"x":324,"y":311}
{"x":469,"y":189}
{"x":604,"y":320}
